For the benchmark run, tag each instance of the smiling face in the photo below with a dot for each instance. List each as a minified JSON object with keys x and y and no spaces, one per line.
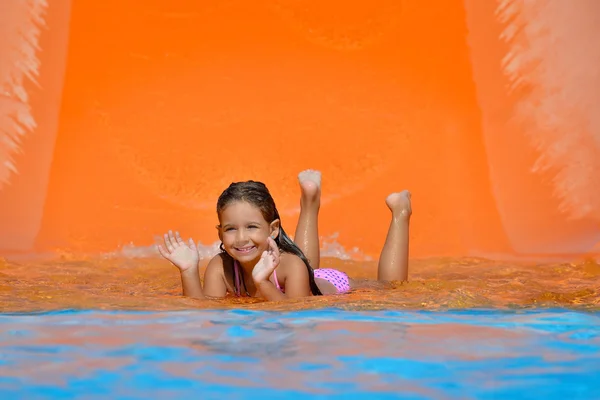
{"x":244,"y":231}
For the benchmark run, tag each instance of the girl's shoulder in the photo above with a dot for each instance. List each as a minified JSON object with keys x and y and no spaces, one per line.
{"x":222,"y":265}
{"x":286,"y":257}
{"x":289,"y":262}
{"x":220,"y":262}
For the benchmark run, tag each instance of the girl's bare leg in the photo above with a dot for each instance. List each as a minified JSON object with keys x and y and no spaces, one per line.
{"x":307,"y":230}
{"x":393,"y":262}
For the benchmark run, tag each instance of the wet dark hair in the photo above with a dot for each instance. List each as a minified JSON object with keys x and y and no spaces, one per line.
{"x":257,"y":194}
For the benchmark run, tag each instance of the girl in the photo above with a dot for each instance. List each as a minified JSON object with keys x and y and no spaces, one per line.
{"x":259,"y":259}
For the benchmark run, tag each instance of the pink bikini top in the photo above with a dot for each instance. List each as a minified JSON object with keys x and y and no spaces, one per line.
{"x":238,"y":280}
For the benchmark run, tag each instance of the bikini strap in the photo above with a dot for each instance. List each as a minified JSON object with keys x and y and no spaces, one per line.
{"x":237,"y":285}
{"x":276,"y":280}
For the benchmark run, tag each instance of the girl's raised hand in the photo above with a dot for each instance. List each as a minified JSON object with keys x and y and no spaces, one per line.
{"x":181,"y":254}
{"x":267,"y":263}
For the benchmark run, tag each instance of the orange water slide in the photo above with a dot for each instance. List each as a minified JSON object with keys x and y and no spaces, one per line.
{"x":137,"y":114}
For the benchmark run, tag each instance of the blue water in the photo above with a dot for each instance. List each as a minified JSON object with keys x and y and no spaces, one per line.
{"x":321,"y":354}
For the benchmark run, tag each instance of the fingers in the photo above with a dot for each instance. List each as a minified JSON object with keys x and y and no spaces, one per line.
{"x":172,"y":239}
{"x":274,"y":251}
{"x":178,"y":238}
{"x":272,"y":245}
{"x":163,"y":252}
{"x":167,"y":242}
{"x":267,"y":258}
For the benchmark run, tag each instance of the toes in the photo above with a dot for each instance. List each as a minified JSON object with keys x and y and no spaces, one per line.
{"x":310,"y":175}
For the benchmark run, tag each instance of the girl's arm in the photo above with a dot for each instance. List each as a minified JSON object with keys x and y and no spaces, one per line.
{"x":183,"y":255}
{"x":295,"y":274}
{"x":214,"y":278}
{"x":296,"y":277}
{"x":190,"y":282}
{"x":270,"y":291}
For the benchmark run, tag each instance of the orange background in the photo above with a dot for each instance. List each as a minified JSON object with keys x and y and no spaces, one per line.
{"x":147,"y":110}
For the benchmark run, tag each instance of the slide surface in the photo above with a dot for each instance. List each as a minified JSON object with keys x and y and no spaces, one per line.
{"x":120,"y":121}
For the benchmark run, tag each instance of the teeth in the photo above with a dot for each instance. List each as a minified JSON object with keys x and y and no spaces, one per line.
{"x":245,"y":248}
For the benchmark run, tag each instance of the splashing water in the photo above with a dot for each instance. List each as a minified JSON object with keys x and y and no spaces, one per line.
{"x":331,"y":248}
{"x":141,"y":281}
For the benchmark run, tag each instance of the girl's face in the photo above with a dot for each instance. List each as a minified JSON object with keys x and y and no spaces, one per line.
{"x":244,"y":231}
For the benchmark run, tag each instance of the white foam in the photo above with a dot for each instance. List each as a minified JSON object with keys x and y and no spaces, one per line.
{"x":331,"y":248}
